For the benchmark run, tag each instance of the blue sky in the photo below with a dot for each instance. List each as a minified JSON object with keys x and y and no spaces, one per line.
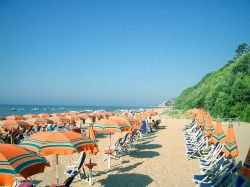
{"x":130,"y":52}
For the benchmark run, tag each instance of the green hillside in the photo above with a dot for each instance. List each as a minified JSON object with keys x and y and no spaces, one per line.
{"x":225,"y":92}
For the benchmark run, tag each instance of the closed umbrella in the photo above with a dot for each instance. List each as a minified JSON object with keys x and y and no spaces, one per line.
{"x":208,"y":126}
{"x":230,"y":148}
{"x":218,"y":134}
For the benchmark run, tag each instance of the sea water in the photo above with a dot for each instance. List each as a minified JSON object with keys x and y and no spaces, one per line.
{"x":6,"y":110}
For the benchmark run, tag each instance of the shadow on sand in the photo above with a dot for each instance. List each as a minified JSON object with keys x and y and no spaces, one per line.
{"x":143,"y":154}
{"x":120,"y":169}
{"x":130,"y":179}
{"x":148,"y":146}
{"x":162,"y":127}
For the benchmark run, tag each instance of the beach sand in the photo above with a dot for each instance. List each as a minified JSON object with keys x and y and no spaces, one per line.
{"x":159,"y":160}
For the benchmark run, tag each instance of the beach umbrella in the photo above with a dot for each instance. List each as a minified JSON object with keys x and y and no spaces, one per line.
{"x":16,"y":160}
{"x":84,"y":116}
{"x":230,"y":148}
{"x":15,"y":117}
{"x":110,"y":126}
{"x":200,"y":118}
{"x":135,"y":123}
{"x":43,"y":115}
{"x":123,"y":121}
{"x":59,"y":119}
{"x":218,"y":134}
{"x":151,"y":113}
{"x":208,"y":126}
{"x":12,"y":124}
{"x":28,"y":116}
{"x":59,"y":143}
{"x":245,"y":170}
{"x":39,"y":121}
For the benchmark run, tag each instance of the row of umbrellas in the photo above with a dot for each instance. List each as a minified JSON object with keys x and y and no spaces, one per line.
{"x":26,"y":160}
{"x":15,"y":121}
{"x":216,"y":134}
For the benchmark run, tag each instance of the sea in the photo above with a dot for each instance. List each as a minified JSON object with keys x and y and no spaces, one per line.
{"x":7,"y":110}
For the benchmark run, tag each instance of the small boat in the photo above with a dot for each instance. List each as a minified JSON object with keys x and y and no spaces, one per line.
{"x":12,"y":109}
{"x":35,"y":109}
{"x":61,"y":108}
{"x":21,"y":109}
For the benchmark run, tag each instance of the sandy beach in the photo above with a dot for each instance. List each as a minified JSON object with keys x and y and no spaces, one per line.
{"x":159,"y":160}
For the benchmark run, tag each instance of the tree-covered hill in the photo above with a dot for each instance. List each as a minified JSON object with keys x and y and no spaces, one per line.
{"x":225,"y":92}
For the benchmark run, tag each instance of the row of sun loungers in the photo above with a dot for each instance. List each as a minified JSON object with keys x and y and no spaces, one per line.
{"x":215,"y":168}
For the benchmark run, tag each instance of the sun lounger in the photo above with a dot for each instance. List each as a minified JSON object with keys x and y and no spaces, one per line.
{"x":220,"y":178}
{"x":76,"y":169}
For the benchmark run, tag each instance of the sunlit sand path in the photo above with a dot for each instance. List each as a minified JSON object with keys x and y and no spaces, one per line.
{"x":173,"y":168}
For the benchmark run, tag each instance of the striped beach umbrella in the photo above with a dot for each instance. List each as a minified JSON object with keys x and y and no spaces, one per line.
{"x":110,"y":126}
{"x":208,"y":126}
{"x":218,"y":134}
{"x":43,"y":115}
{"x":245,"y":170}
{"x":39,"y":121}
{"x":59,"y":119}
{"x":15,"y":118}
{"x":12,"y":124}
{"x":124,"y":122}
{"x":135,"y":123}
{"x":16,"y":160}
{"x":200,"y":118}
{"x":62,"y":143}
{"x":28,"y":116}
{"x":230,"y":148}
{"x":59,"y":143}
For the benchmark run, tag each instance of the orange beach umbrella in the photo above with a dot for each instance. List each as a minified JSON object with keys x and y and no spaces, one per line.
{"x":208,"y":126}
{"x":39,"y":121}
{"x":230,"y":148}
{"x":218,"y":134}
{"x":15,"y":117}
{"x":59,"y":143}
{"x":15,"y":160}
{"x":28,"y":116}
{"x":12,"y":124}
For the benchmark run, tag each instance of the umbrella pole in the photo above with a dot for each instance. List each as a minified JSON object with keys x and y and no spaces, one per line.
{"x":109,"y":156}
{"x":109,"y":140}
{"x":57,"y":177}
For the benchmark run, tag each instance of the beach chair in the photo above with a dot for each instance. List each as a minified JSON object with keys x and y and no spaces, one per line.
{"x":195,"y":151}
{"x":76,"y":169}
{"x":214,"y":176}
{"x":67,"y":182}
{"x":211,"y":156}
{"x":220,"y":178}
{"x":217,"y":164}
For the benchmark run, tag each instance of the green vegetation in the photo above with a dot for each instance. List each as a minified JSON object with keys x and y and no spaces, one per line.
{"x":225,"y":92}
